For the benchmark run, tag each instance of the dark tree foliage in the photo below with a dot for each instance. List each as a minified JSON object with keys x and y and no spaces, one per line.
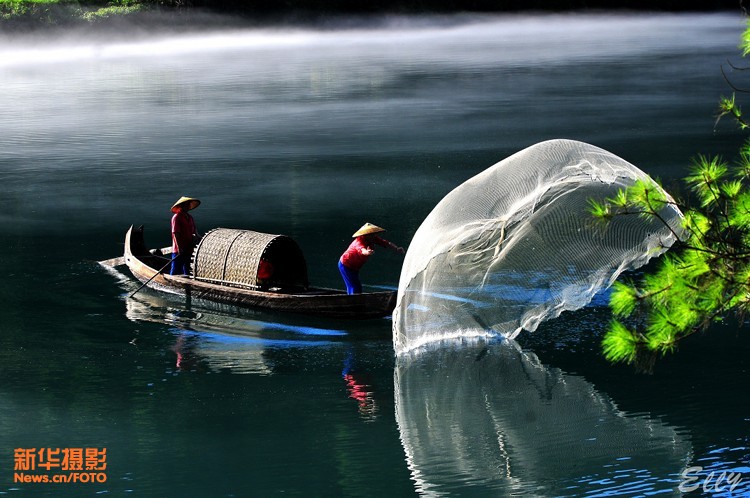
{"x":41,"y":14}
{"x":421,"y":6}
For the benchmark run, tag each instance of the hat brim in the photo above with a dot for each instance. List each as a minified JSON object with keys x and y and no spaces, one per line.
{"x":367,"y":230}
{"x":187,"y":202}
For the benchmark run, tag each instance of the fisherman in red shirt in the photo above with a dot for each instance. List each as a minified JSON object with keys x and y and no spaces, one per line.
{"x":358,"y":252}
{"x":184,"y":235}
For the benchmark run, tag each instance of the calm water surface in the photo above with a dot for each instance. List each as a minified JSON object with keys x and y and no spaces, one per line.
{"x":310,"y":133}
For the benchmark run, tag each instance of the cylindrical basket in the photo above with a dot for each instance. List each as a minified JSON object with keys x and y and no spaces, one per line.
{"x":246,"y":258}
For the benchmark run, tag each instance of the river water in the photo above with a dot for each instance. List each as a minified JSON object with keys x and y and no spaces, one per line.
{"x":310,"y":133}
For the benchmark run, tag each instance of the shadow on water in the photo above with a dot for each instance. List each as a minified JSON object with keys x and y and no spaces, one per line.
{"x":483,"y":415}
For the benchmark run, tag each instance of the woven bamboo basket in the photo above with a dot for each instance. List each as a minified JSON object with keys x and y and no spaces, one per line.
{"x":249,"y":259}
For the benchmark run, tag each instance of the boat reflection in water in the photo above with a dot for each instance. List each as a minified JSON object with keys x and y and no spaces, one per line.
{"x":487,"y":416}
{"x":223,"y":337}
{"x":215,"y":337}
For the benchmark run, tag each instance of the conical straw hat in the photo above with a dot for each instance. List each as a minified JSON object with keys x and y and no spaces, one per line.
{"x":191,"y":203}
{"x":368,"y":228}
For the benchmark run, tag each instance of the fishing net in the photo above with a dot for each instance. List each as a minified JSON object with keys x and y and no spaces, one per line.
{"x":517,"y":244}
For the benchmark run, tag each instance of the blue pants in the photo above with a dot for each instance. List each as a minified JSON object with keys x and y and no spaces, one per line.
{"x":180,"y":265}
{"x":351,"y":279}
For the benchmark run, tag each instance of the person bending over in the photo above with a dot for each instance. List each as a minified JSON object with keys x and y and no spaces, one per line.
{"x":358,"y":252}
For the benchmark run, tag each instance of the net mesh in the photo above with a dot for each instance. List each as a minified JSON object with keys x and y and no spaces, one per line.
{"x":517,"y":244}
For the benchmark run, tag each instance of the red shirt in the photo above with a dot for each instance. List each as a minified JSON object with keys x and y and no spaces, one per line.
{"x":183,"y":231}
{"x":354,"y":257}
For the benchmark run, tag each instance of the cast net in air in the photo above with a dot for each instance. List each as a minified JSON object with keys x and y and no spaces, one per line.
{"x":517,"y":244}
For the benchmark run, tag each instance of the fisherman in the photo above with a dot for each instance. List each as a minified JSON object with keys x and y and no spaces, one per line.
{"x":358,"y":252}
{"x":184,"y":235}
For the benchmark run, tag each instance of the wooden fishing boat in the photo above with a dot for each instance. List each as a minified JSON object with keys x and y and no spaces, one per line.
{"x":252,"y":269}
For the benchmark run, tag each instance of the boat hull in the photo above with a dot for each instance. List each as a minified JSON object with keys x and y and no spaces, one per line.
{"x":314,"y":301}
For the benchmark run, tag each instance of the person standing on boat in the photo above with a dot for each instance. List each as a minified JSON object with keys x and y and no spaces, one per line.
{"x":358,"y":252}
{"x":184,"y":235}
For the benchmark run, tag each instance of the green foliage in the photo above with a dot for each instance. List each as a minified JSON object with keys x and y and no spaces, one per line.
{"x":705,"y":180}
{"x":112,"y":11}
{"x":706,"y":277}
{"x":729,"y":107}
{"x":621,"y":343}
{"x":10,"y":9}
{"x":745,"y":43}
{"x":60,"y":12}
{"x":624,"y":299}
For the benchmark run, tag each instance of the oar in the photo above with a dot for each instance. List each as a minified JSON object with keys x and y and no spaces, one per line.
{"x":150,"y":279}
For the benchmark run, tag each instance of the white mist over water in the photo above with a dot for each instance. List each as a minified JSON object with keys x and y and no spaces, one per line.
{"x":283,"y":117}
{"x":244,"y":93}
{"x":493,"y":39}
